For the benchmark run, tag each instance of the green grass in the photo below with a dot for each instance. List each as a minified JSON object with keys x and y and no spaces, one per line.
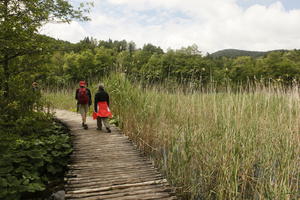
{"x":64,"y":98}
{"x":214,"y":145}
{"x":61,"y":98}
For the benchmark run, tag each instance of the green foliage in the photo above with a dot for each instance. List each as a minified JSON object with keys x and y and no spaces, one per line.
{"x":93,"y":60}
{"x":33,"y":149}
{"x":20,"y":21}
{"x":21,"y":101}
{"x":29,"y":163}
{"x":242,"y":69}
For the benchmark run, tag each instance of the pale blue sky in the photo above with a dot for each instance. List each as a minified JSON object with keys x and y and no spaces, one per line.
{"x":288,"y":4}
{"x":210,"y":24}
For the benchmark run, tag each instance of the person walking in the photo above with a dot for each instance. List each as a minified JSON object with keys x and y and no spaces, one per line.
{"x":101,"y":108}
{"x":84,"y":100}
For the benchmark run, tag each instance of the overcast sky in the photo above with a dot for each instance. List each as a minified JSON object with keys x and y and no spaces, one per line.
{"x":211,"y":24}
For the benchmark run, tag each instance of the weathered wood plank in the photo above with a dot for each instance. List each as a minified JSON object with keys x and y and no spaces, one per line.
{"x":119,"y":186}
{"x":99,"y":183}
{"x":122,"y":192}
{"x":108,"y":166}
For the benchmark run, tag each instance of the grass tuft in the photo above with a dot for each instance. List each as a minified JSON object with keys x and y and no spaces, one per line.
{"x":230,"y":145}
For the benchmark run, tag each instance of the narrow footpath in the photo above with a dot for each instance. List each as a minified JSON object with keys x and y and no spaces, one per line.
{"x":108,"y":166}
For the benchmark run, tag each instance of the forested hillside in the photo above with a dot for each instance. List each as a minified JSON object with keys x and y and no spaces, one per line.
{"x":90,"y":59}
{"x":233,"y":53}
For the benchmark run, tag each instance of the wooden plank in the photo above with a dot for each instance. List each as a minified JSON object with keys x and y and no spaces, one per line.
{"x":119,"y":186}
{"x":112,"y":181}
{"x":124,"y":191}
{"x":109,"y":166}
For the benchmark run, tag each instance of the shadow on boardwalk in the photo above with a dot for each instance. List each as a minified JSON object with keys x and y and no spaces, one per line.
{"x":107,"y":166}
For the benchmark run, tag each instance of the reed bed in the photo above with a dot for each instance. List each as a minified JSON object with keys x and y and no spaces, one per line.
{"x":225,"y":145}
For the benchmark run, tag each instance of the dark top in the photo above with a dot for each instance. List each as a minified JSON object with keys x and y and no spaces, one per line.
{"x":88,"y":93}
{"x":101,"y":95}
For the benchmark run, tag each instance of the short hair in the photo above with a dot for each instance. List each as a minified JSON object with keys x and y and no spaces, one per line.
{"x":101,"y":87}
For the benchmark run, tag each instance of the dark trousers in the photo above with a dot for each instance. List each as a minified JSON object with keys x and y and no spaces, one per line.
{"x":105,"y":122}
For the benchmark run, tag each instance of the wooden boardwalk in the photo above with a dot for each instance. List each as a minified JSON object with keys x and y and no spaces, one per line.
{"x":108,"y":166}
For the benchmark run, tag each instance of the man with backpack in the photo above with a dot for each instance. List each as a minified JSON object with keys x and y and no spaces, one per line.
{"x":84,"y":100}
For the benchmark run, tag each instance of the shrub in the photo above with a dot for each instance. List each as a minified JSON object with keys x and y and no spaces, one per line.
{"x":29,"y":163}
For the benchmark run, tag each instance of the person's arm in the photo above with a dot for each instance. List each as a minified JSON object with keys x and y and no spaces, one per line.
{"x":76,"y":93}
{"x":76,"y":97}
{"x":90,"y":97}
{"x":95,"y":103}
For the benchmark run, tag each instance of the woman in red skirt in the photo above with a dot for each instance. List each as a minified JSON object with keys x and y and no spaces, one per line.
{"x":101,"y":108}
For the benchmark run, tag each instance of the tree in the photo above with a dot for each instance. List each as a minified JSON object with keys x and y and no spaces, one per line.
{"x":21,"y":45}
{"x":280,"y":66}
{"x":242,"y":69}
{"x":152,"y":71}
{"x":191,"y":50}
{"x":150,"y":48}
{"x":20,"y":21}
{"x":131,"y":47}
{"x":86,"y":43}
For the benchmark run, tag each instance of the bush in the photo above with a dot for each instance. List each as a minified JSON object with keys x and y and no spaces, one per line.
{"x":30,"y":163}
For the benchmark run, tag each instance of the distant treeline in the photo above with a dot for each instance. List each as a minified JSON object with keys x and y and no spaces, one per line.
{"x":90,"y":59}
{"x":233,"y":53}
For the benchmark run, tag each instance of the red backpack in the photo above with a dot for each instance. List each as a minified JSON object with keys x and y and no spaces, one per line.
{"x":83,"y":96}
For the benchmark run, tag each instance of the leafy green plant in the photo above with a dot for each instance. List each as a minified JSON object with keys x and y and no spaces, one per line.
{"x":31,"y":163}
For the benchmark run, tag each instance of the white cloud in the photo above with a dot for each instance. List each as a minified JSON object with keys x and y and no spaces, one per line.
{"x":212,"y":25}
{"x":72,"y":32}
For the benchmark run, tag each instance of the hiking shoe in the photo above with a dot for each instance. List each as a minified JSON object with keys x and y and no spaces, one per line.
{"x":82,"y":124}
{"x":99,"y":129}
{"x":85,"y":127}
{"x":108,"y":130}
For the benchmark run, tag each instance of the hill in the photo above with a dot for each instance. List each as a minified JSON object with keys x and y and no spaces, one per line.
{"x":233,"y":53}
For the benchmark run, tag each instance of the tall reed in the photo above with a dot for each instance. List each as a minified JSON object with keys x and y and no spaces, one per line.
{"x":230,"y":145}
{"x":217,"y":145}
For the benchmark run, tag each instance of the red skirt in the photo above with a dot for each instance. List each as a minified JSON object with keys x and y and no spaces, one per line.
{"x":103,"y":110}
